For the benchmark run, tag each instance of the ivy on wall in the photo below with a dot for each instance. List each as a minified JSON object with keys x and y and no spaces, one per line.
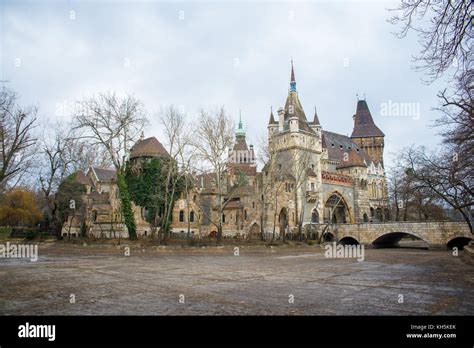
{"x":127,"y":211}
{"x":150,"y":188}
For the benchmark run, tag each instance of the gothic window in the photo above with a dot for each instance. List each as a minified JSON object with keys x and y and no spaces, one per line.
{"x":181,"y":216}
{"x":191,"y":216}
{"x":366,"y":218}
{"x":314,"y":217}
{"x":223,"y":218}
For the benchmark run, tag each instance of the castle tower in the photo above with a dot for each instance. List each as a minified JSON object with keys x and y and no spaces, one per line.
{"x":366,"y":134}
{"x":241,"y":153}
{"x":292,"y":116}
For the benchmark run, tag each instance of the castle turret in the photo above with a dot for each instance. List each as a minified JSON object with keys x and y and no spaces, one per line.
{"x":241,"y":153}
{"x":272,"y":124}
{"x":316,"y":125}
{"x":366,"y":134}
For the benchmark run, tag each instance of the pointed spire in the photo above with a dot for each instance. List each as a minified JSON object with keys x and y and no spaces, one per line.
{"x":240,"y":129}
{"x":272,"y":118}
{"x":316,"y":119}
{"x":292,"y":81}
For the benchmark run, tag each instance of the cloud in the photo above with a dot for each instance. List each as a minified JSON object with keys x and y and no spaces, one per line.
{"x":205,"y":54}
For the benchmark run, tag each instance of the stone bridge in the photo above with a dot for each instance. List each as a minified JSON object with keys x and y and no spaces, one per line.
{"x":435,"y":233}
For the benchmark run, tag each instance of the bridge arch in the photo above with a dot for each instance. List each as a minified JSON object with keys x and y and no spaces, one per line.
{"x":392,"y":239}
{"x":349,"y":240}
{"x":436,"y":234}
{"x":458,"y":242}
{"x":328,"y":237}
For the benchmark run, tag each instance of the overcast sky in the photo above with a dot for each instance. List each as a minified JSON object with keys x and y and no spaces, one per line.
{"x":206,"y":54}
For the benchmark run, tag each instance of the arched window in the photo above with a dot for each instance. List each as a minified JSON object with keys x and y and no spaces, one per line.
{"x":191,"y":216}
{"x":366,"y":218}
{"x":223,"y":218}
{"x":314,"y":217}
{"x":181,"y":216}
{"x":94,"y":215}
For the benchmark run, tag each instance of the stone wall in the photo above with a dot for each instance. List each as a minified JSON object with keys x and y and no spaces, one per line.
{"x":435,"y":233}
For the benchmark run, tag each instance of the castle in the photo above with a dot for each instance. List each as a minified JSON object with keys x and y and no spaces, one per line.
{"x":311,"y":177}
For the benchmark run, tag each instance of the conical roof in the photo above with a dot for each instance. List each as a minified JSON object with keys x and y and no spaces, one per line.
{"x":149,"y":147}
{"x":272,"y":118}
{"x":315,"y":118}
{"x":364,"y":125}
{"x":293,"y":108}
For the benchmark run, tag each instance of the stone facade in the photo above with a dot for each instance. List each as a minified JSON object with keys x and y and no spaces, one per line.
{"x":435,"y":233}
{"x":312,"y":177}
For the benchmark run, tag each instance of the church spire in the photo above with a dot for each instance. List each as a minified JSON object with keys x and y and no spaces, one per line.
{"x":292,"y":81}
{"x":240,"y":129}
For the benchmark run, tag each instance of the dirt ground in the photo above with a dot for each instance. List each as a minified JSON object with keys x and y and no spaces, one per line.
{"x":101,"y":280}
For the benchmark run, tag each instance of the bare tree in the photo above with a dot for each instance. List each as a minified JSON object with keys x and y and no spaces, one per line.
{"x":214,"y":136}
{"x":85,"y":155}
{"x":115,"y":124}
{"x":457,"y":120}
{"x":16,"y":139}
{"x":55,"y":163}
{"x":444,"y":38}
{"x":447,"y":174}
{"x":271,"y":185}
{"x":112,"y":122}
{"x":446,"y":41}
{"x":267,"y":155}
{"x":300,"y":169}
{"x":178,"y":135}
